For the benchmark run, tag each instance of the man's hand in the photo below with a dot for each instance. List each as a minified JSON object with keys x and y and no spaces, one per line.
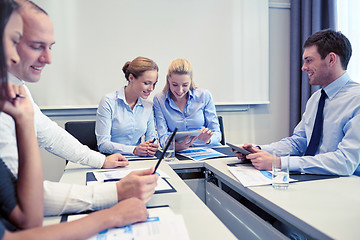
{"x":140,"y":184}
{"x":115,"y":160}
{"x":261,"y":160}
{"x":249,"y":147}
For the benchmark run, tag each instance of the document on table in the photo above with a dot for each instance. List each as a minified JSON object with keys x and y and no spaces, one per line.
{"x":161,"y":224}
{"x":99,"y":177}
{"x":198,"y":154}
{"x":250,"y":176}
{"x":102,"y":176}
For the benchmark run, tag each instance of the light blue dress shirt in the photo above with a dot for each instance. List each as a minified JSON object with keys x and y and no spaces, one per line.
{"x":339,"y":151}
{"x":199,"y":112}
{"x":119,"y":128}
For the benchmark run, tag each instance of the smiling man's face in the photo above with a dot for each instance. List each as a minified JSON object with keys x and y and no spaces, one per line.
{"x":35,"y":46}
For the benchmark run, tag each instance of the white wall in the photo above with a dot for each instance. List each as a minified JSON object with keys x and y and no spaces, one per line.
{"x":230,"y":35}
{"x":261,"y":123}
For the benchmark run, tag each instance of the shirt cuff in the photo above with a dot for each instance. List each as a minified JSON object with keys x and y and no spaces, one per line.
{"x":105,"y":195}
{"x":294,"y":164}
{"x":129,"y":149}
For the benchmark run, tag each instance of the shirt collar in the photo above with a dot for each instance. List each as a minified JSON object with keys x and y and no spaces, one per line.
{"x":191,"y":94}
{"x":333,"y":88}
{"x":121,"y":95}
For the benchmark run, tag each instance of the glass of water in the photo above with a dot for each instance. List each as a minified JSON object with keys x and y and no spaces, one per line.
{"x":280,"y":170}
{"x":170,"y":153}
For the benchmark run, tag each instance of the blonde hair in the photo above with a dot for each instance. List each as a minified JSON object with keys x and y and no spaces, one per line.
{"x":138,"y":66}
{"x":180,"y":66}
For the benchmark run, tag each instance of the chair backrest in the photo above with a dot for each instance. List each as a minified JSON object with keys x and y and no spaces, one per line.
{"x":221,"y":123}
{"x":84,"y":131}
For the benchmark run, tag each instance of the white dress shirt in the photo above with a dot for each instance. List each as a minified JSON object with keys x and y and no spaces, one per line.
{"x":59,"y":198}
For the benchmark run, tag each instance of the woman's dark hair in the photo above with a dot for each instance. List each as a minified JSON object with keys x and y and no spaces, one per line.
{"x":6,"y":9}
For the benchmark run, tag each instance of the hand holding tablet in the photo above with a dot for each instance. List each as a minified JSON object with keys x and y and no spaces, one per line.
{"x":182,"y":135}
{"x":238,"y":149}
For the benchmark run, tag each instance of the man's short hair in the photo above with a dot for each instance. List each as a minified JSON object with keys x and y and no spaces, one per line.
{"x":328,"y":41}
{"x":31,"y":5}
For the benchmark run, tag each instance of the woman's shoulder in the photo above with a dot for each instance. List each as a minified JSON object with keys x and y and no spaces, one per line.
{"x":160,"y":97}
{"x":201,"y":92}
{"x":147,"y":103}
{"x":111,"y":95}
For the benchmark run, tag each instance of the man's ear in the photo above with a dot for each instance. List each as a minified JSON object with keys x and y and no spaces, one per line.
{"x":332,"y":58}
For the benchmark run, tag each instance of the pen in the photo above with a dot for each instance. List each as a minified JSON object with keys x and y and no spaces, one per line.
{"x":153,"y":141}
{"x":17,"y":96}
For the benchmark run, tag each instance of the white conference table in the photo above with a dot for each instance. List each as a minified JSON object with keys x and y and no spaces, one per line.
{"x":323,"y":209}
{"x":200,"y":222}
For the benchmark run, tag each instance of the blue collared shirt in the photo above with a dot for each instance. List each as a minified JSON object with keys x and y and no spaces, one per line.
{"x":118,"y":127}
{"x":339,"y":149}
{"x":199,"y":112}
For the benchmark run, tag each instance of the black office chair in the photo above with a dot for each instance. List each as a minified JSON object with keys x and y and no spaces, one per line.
{"x":222,"y":130}
{"x":84,"y":131}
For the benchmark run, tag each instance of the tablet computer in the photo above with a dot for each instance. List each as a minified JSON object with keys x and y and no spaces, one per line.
{"x":180,"y":136}
{"x":238,"y":149}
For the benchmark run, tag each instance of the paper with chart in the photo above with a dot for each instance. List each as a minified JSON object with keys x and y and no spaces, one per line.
{"x":162,"y":224}
{"x":250,"y":176}
{"x":198,"y":154}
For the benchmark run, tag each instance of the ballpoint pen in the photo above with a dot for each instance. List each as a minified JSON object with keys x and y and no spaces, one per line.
{"x":17,"y":96}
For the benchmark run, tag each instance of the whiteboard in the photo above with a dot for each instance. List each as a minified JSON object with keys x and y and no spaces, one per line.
{"x":227,"y":42}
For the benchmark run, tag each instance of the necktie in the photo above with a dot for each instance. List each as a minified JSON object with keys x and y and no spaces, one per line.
{"x":318,"y":127}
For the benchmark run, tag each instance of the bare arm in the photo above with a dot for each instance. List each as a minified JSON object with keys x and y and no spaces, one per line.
{"x":29,"y":211}
{"x":124,"y":213}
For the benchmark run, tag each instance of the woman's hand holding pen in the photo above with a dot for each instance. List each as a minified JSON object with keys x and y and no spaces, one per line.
{"x":147,"y":148}
{"x":152,"y":147}
{"x":18,"y":105}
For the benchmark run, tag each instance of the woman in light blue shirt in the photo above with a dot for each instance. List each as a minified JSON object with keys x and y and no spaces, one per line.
{"x":124,"y":116}
{"x":186,"y":107}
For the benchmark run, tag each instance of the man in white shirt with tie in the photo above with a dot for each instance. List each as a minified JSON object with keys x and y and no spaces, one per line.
{"x":335,"y":147}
